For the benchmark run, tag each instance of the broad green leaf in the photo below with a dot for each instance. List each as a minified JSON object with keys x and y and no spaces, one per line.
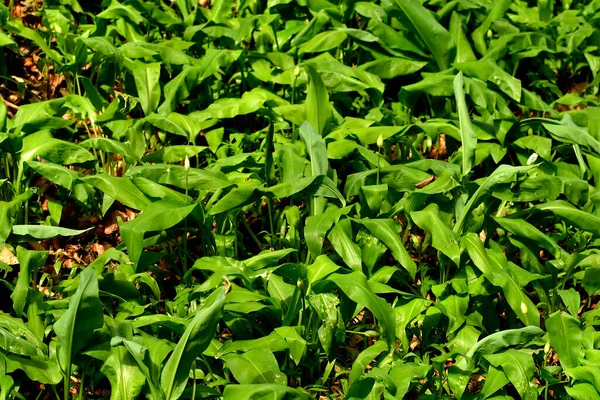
{"x":454,"y":307}
{"x":499,"y":341}
{"x":527,"y":231}
{"x":179,"y":176}
{"x":324,"y":41}
{"x":384,"y":230}
{"x":264,"y":391}
{"x":365,"y":358}
{"x":38,"y":370}
{"x":494,"y":381}
{"x":110,"y":146}
{"x":43,"y":145}
{"x":572,"y":215}
{"x":502,"y":174}
{"x":582,"y":391}
{"x":30,"y":262}
{"x":342,"y":240}
{"x":125,"y":377}
{"x":267,"y":258}
{"x":444,"y":239}
{"x":356,"y":287}
{"x":77,"y":325}
{"x":496,"y":13}
{"x":221,"y":10}
{"x":499,"y":275}
{"x":147,"y":83}
{"x":572,"y":300}
{"x":8,"y":214}
{"x":467,"y":134}
{"x":319,"y":269}
{"x":121,"y":189}
{"x":464,"y":52}
{"x":566,"y":338}
{"x":587,"y":373}
{"x":435,"y":36}
{"x":192,"y":343}
{"x":317,"y":226}
{"x":175,"y":153}
{"x":488,"y":70}
{"x":254,"y":367}
{"x":518,"y":367}
{"x":390,"y":68}
{"x":16,"y":345}
{"x":40,"y":232}
{"x":317,"y":106}
{"x":157,"y":216}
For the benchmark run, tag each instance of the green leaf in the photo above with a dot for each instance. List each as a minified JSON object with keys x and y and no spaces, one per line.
{"x":495,"y":269}
{"x":499,"y":341}
{"x":494,"y":381}
{"x":179,"y":176}
{"x":571,"y":214}
{"x":318,"y":270}
{"x":77,"y":325}
{"x":488,"y":70}
{"x":527,"y":231}
{"x":38,"y":370}
{"x":365,"y":358}
{"x":318,"y":110}
{"x":255,"y":366}
{"x":566,"y":338}
{"x":518,"y":367}
{"x":454,"y":307}
{"x":110,"y":146}
{"x":160,"y":215}
{"x":435,"y":36}
{"x":317,"y":226}
{"x":40,"y":232}
{"x":467,"y":134}
{"x":496,"y":13}
{"x":121,"y":189}
{"x":192,"y":343}
{"x":324,"y":41}
{"x":174,"y":153}
{"x":264,"y":391}
{"x":582,"y":391}
{"x":502,"y":174}
{"x":29,"y":261}
{"x":221,"y":10}
{"x":356,"y":287}
{"x":390,"y":68}
{"x":147,"y":83}
{"x":384,"y":230}
{"x":444,"y":239}
{"x":58,"y":151}
{"x":125,"y":377}
{"x":342,"y":240}
{"x":572,"y":300}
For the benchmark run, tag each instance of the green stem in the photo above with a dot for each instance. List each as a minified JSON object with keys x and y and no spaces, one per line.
{"x":194,"y":378}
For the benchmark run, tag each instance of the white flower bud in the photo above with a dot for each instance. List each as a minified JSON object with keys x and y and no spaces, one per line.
{"x":186,"y":163}
{"x":380,"y":141}
{"x":532,"y":158}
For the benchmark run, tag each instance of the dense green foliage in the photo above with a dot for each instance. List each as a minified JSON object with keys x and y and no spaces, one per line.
{"x":288,"y":199}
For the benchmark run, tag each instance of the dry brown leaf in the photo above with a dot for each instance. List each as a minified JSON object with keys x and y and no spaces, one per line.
{"x":7,"y":257}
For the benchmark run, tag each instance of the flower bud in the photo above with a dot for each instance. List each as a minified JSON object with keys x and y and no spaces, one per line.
{"x":380,"y":141}
{"x":186,"y":163}
{"x":532,"y":158}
